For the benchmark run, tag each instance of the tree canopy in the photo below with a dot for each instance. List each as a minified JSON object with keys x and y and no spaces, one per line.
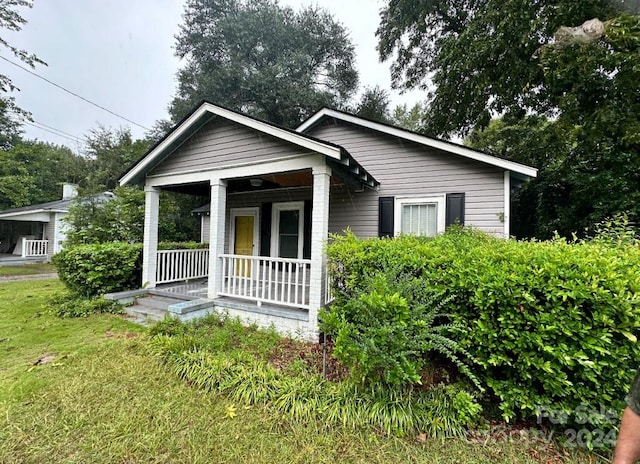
{"x":33,"y":172}
{"x":10,"y":114}
{"x":110,"y":152}
{"x":374,"y":105}
{"x":263,"y":59}
{"x":476,"y":58}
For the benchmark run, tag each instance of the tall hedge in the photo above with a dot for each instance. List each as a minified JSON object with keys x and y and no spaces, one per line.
{"x":552,"y":325}
{"x":92,"y":270}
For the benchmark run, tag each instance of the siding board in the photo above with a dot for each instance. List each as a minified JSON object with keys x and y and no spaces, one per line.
{"x":221,"y":143}
{"x":408,"y":169}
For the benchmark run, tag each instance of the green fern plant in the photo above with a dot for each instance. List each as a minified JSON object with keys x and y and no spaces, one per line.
{"x":383,"y":337}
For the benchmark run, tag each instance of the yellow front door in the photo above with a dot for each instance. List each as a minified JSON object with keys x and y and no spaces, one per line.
{"x":243,"y":243}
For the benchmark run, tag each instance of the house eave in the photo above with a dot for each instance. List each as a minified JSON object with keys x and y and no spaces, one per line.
{"x":201,"y":116}
{"x":443,"y":145}
{"x":34,"y":215}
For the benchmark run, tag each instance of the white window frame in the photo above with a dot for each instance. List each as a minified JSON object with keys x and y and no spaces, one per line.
{"x":438,"y":200}
{"x":275,"y":225}
{"x":233,"y":213}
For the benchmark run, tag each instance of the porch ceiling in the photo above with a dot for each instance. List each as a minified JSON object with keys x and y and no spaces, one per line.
{"x":248,"y":184}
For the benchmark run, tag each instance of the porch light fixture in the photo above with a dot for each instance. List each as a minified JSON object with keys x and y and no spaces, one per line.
{"x":255,"y":182}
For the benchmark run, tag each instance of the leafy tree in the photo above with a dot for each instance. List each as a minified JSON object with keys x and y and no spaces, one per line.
{"x":409,"y":118}
{"x":539,"y":142}
{"x":476,"y":57}
{"x":33,"y":172}
{"x":49,"y":166}
{"x":96,"y":219}
{"x":374,"y":105}
{"x":10,"y":114}
{"x":263,"y":59}
{"x":110,"y":153}
{"x":15,"y":183}
{"x":589,"y":153}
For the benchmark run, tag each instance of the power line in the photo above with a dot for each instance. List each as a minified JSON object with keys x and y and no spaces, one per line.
{"x":73,"y":93}
{"x":73,"y":139}
{"x":63,"y":133}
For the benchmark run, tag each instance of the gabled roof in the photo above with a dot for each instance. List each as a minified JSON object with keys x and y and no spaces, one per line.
{"x":204,"y":113}
{"x":444,"y":145}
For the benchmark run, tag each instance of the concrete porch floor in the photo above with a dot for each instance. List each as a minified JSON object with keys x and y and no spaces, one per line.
{"x":188,"y":300}
{"x":7,"y":259}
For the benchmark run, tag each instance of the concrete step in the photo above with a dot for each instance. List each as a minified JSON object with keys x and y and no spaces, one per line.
{"x":157,"y":302}
{"x":145,"y":313}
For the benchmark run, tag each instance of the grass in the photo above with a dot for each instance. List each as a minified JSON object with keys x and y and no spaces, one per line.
{"x":27,"y":269}
{"x":105,"y":398}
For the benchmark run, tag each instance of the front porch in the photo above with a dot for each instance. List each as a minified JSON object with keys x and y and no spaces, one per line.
{"x":268,"y":216}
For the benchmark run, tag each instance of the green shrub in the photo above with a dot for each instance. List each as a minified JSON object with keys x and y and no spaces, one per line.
{"x":66,"y":304}
{"x":383,"y":337}
{"x":182,"y":246}
{"x":552,"y":325}
{"x":91,"y":270}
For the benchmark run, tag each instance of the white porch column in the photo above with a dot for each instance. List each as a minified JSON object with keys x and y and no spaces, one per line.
{"x":319,"y":235}
{"x":217,"y":219}
{"x":150,"y":242}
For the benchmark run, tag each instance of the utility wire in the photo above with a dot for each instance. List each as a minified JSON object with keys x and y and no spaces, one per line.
{"x":63,"y":133}
{"x":73,"y":139}
{"x":73,"y":93}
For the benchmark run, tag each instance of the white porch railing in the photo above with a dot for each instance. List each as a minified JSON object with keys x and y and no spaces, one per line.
{"x":177,"y":265}
{"x":34,"y":248}
{"x":328,"y":292}
{"x":262,"y":279}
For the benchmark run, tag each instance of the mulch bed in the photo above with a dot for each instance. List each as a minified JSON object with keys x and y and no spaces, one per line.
{"x":288,"y":351}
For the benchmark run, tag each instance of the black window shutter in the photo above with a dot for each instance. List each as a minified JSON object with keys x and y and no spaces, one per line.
{"x":385,"y":216}
{"x":306,"y":244}
{"x":455,"y":209}
{"x":265,"y":230}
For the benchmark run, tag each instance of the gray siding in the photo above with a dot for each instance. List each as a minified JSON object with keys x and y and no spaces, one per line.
{"x":223,"y":143}
{"x":49,"y":233}
{"x":407,"y":169}
{"x":205,"y":228}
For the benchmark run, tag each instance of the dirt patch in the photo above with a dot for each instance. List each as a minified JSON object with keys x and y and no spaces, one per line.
{"x":288,"y":351}
{"x":47,"y":358}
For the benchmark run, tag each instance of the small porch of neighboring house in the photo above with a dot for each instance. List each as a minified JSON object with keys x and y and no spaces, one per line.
{"x":26,"y":241}
{"x":35,"y":232}
{"x":266,"y":222}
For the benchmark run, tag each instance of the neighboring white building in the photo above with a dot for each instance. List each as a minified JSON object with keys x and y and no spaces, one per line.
{"x":37,"y":231}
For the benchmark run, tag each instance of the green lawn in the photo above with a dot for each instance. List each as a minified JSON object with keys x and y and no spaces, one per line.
{"x":27,"y":269}
{"x":104,"y":398}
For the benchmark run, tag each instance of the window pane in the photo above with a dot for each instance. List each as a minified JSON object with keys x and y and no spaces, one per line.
{"x":289,"y":222}
{"x":288,"y":246}
{"x":419,"y":219}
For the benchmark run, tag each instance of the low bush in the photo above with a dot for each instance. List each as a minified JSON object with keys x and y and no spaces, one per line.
{"x":92,"y":270}
{"x":388,"y":335}
{"x":552,"y":325}
{"x":182,"y":245}
{"x":66,"y":304}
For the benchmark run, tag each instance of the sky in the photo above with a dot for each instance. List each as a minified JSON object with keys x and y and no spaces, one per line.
{"x":119,"y":54}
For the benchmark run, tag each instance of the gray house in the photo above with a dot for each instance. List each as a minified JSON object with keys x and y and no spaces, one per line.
{"x":275,"y":195}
